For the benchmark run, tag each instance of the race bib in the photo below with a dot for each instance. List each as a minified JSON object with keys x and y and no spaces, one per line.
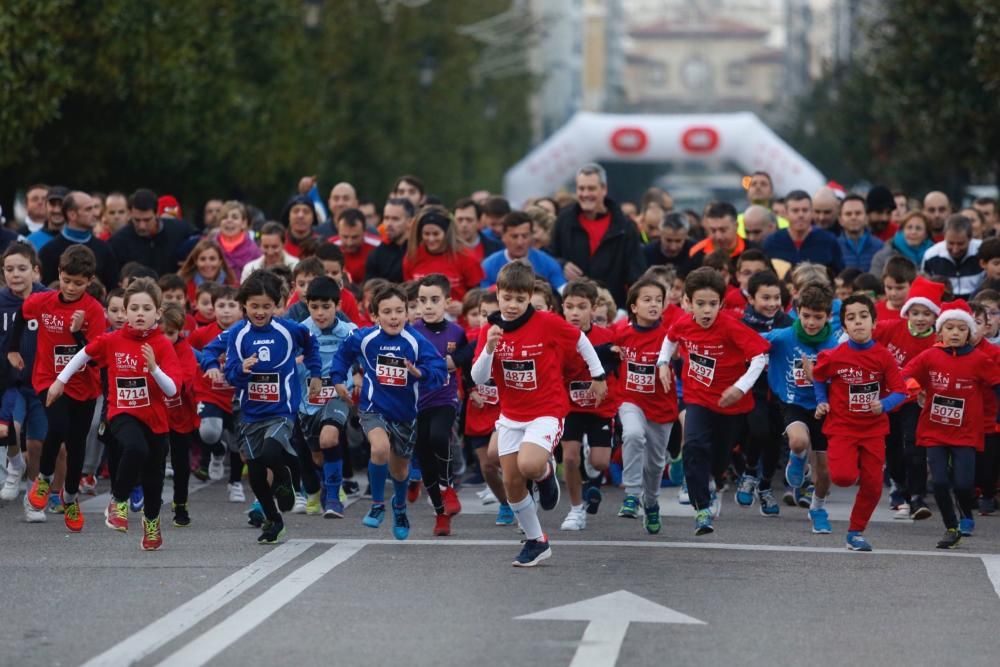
{"x":581,"y":395}
{"x":326,"y":393}
{"x":799,"y":374}
{"x":860,"y":395}
{"x":221,"y":385}
{"x":640,"y":378}
{"x":391,"y":371}
{"x":947,"y":411}
{"x":701,"y":368}
{"x":131,"y":392}
{"x":175,"y":402}
{"x":520,"y":374}
{"x":62,"y":354}
{"x":489,"y":393}
{"x":263,"y":387}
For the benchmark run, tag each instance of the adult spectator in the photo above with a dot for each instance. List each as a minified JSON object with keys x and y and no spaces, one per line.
{"x":412,"y":188}
{"x":673,"y":248}
{"x":987,"y":207}
{"x":272,"y":247}
{"x":115,"y":215}
{"x":800,"y":242}
{"x":518,"y":235}
{"x":491,"y":215}
{"x":151,"y":241}
{"x":760,"y":191}
{"x":54,"y":218}
{"x":544,"y":221}
{"x":370,"y":211}
{"x":467,"y":215}
{"x":298,"y":216}
{"x":758,"y":224}
{"x":902,"y":207}
{"x":342,"y":197}
{"x":977,"y":220}
{"x":857,"y":245}
{"x":826,"y":210}
{"x":912,"y":241}
{"x":211,"y":214}
{"x":937,"y":208}
{"x":354,"y":242}
{"x":879,"y":206}
{"x":34,"y":201}
{"x":719,"y":223}
{"x":433,"y":248}
{"x":80,"y":210}
{"x":594,"y":238}
{"x":386,"y":261}
{"x":955,"y":258}
{"x":238,"y":247}
{"x":650,"y":221}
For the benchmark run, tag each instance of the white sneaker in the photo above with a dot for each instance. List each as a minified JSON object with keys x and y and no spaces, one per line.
{"x":32,"y":515}
{"x":489,"y":498}
{"x":236,"y":493}
{"x":902,"y":512}
{"x":716,"y":506}
{"x":168,"y":472}
{"x":12,"y":482}
{"x":216,"y":471}
{"x":682,"y":495}
{"x":300,"y":504}
{"x":575,"y":520}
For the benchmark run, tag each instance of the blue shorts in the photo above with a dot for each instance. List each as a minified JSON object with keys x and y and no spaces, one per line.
{"x":22,"y":405}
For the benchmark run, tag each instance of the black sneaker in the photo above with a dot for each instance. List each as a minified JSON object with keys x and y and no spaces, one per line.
{"x":548,"y":488}
{"x":271,"y":532}
{"x":592,"y":496}
{"x":950,"y":540}
{"x":351,"y":488}
{"x":987,"y":506}
{"x":284,"y":495}
{"x":533,"y":552}
{"x":919,"y":509}
{"x":181,"y":517}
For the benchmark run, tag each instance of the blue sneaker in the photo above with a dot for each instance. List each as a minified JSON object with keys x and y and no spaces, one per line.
{"x":966,"y":526}
{"x":136,"y":500}
{"x":768,"y":503}
{"x":415,"y":474}
{"x":255,"y":515}
{"x":400,"y":524}
{"x":532,"y":553}
{"x":630,"y":508}
{"x":333,"y":508}
{"x":375,"y":516}
{"x":505,"y":515}
{"x":795,"y":470}
{"x":676,"y":470}
{"x":857,"y":542}
{"x":703,"y":522}
{"x":804,"y":496}
{"x":592,"y":496}
{"x":821,"y":522}
{"x":746,"y":488}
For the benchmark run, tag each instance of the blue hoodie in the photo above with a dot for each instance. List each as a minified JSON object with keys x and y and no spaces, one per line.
{"x":10,"y":309}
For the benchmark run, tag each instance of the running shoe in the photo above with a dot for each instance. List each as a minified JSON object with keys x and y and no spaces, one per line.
{"x":31,"y":515}
{"x":38,"y":494}
{"x":651,"y":519}
{"x":746,"y":488}
{"x":168,"y":470}
{"x":795,"y":470}
{"x":857,"y":542}
{"x":73,"y":516}
{"x":505,"y":515}
{"x":285,"y":496}
{"x":820,"y":522}
{"x":351,"y":488}
{"x":575,"y":520}
{"x":314,"y":506}
{"x":300,"y":503}
{"x":136,"y":500}
{"x":400,"y":523}
{"x":12,"y":483}
{"x":88,"y":485}
{"x":116,"y":516}
{"x":682,"y":494}
{"x":236,"y":494}
{"x":487,"y":496}
{"x":181,"y":517}
{"x":216,"y":468}
{"x":804,"y":496}
{"x":951,"y":539}
{"x":630,"y":508}
{"x":919,"y":509}
{"x":255,"y":515}
{"x":151,"y":537}
{"x":533,"y":552}
{"x":902,"y":512}
{"x":333,"y":509}
{"x":55,"y":504}
{"x":966,"y":526}
{"x":452,"y":505}
{"x":987,"y":506}
{"x":716,"y":506}
{"x":375,"y":516}
{"x":703,"y":522}
{"x":768,"y":503}
{"x":271,"y":532}
{"x":413,"y":491}
{"x":676,"y":469}
{"x":200,"y":473}
{"x":548,"y":488}
{"x":442,"y":525}
{"x":896,"y":498}
{"x":592,"y":496}
{"x":788,"y":497}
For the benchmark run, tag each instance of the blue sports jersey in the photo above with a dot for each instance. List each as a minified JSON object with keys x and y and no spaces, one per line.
{"x":785,"y":375}
{"x":10,"y":308}
{"x":271,"y":388}
{"x":329,"y":341}
{"x":388,"y":387}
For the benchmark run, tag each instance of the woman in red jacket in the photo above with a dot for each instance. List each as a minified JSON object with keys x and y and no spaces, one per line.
{"x":433,"y":248}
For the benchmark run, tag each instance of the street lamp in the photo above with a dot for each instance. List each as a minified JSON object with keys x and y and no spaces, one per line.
{"x":311,"y":13}
{"x":426,"y":70}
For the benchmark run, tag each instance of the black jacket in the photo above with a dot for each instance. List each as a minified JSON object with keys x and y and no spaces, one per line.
{"x":107,"y":263}
{"x":490,"y":245}
{"x":386,"y":261}
{"x":157,"y":252}
{"x":618,"y":261}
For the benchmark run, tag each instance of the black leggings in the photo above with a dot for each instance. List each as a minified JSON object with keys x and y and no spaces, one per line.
{"x":708,"y":440}
{"x":143,"y":457}
{"x":988,"y":466}
{"x":69,"y":420}
{"x":434,"y":450}
{"x":277,"y":461}
{"x":953,"y":469}
{"x":907,"y":463}
{"x":763,"y":440}
{"x":180,"y":460}
{"x":304,"y":464}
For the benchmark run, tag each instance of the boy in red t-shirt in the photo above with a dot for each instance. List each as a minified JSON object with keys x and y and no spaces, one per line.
{"x":860,"y":373}
{"x":897,"y":278}
{"x":954,"y":377}
{"x":716,"y":348}
{"x":67,"y":319}
{"x":525,"y":351}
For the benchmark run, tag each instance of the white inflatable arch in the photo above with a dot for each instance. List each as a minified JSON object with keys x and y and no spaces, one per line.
{"x":591,"y":137}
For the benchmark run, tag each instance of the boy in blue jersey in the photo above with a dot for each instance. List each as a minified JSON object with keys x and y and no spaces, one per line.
{"x":260,"y":363}
{"x":398,"y":364}
{"x":322,"y":417}
{"x":792,"y":351}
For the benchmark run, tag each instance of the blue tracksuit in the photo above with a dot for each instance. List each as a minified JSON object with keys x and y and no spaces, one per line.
{"x":784,"y":370}
{"x":328,"y":341}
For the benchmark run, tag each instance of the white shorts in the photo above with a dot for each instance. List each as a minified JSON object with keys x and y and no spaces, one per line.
{"x":546,"y":432}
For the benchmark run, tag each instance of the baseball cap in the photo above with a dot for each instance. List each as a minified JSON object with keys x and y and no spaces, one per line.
{"x":57,"y":192}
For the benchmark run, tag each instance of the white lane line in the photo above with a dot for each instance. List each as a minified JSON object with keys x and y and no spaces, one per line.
{"x":992,"y":564}
{"x":214,"y":641}
{"x":181,"y":619}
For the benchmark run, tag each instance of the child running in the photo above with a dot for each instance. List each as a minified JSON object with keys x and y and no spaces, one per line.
{"x":181,"y":412}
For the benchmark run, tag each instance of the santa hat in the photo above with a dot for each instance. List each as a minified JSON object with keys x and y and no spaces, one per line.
{"x":925,"y":293}
{"x":168,"y":206}
{"x":956,"y":310}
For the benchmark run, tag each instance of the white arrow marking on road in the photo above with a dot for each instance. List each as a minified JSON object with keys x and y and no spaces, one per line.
{"x":608,"y":619}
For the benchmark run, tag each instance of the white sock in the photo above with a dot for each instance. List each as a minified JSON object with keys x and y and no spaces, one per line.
{"x":16,"y":461}
{"x":527,"y":517}
{"x":577,"y":508}
{"x":817,"y":502}
{"x":803,"y":455}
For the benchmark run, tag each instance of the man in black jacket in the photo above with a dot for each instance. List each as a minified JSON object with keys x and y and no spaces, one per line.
{"x":594,"y":238}
{"x":151,"y":241}
{"x":80,"y":211}
{"x":386,"y":261}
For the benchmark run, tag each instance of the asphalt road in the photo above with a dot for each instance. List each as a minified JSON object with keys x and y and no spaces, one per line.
{"x":766,"y":591}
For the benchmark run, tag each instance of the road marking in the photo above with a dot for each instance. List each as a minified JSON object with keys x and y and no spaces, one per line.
{"x":214,"y":641}
{"x":181,"y":619}
{"x":608,"y":617}
{"x":992,"y":564}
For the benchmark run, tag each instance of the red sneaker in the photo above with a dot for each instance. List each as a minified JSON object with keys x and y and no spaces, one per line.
{"x":442,"y":525}
{"x":38,"y":494}
{"x":73,"y":516}
{"x":116,"y":516}
{"x":413,"y":492}
{"x":88,"y":485}
{"x":452,"y":505}
{"x":151,"y":537}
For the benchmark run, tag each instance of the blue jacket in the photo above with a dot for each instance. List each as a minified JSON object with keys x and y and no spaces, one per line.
{"x":784,"y":369}
{"x":542,"y":262}
{"x":819,"y":246}
{"x":859,"y":254}
{"x":10,"y":309}
{"x":328,"y":341}
{"x":388,"y":388}
{"x":271,"y":388}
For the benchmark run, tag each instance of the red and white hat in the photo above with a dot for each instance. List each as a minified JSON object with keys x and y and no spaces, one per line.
{"x":956,"y":310}
{"x":925,"y":293}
